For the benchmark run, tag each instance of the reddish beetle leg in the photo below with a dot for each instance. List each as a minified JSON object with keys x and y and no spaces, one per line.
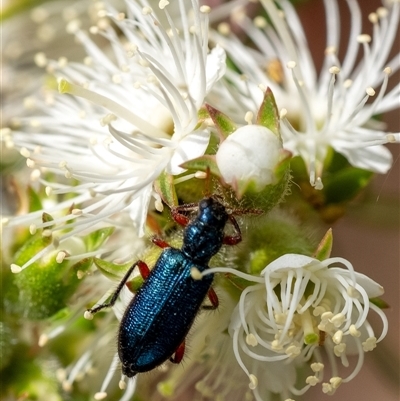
{"x":178,"y":356}
{"x":237,"y":237}
{"x":213,"y":297}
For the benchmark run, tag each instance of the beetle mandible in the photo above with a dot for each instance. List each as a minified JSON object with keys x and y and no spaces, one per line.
{"x":160,"y":315}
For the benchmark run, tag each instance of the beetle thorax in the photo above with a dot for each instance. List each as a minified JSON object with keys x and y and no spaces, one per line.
{"x":204,"y":235}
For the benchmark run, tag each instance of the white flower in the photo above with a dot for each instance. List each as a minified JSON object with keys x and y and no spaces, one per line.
{"x":297,"y":306}
{"x":144,"y":94}
{"x":332,"y":108}
{"x":249,"y":155}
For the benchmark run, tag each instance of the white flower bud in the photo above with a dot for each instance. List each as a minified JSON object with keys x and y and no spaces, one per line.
{"x":249,"y":155}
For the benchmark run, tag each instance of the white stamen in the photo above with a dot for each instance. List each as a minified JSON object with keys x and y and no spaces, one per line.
{"x":364,"y":38}
{"x":195,"y":273}
{"x":15,"y":268}
{"x":370,"y":91}
{"x":317,"y":367}
{"x":312,"y":380}
{"x":249,"y":117}
{"x":205,"y":9}
{"x":224,"y":28}
{"x":88,"y":315}
{"x":100,"y":395}
{"x":60,"y":256}
{"x":251,"y":340}
{"x":253,"y":382}
{"x":162,"y":4}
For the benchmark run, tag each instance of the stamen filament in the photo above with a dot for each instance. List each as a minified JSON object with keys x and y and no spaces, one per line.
{"x":76,"y":90}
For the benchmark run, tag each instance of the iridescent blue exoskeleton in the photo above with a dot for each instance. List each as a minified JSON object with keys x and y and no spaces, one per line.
{"x":157,"y":320}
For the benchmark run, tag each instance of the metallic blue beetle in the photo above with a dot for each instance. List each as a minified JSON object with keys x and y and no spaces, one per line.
{"x":157,"y":320}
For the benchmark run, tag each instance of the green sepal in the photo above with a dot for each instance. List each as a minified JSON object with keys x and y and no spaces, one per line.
{"x":113,"y":271}
{"x":164,"y":186}
{"x":324,"y":248}
{"x":283,"y":165}
{"x":247,"y":197}
{"x":96,"y":239}
{"x":248,"y":187}
{"x":47,"y":218}
{"x":35,"y":203}
{"x":202,"y":116}
{"x":380,"y":303}
{"x":135,"y":283}
{"x":224,"y":125}
{"x":282,"y":174}
{"x":203,"y":163}
{"x":268,"y":115}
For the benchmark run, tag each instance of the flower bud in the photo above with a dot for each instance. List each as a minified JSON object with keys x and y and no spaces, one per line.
{"x":248,"y":158}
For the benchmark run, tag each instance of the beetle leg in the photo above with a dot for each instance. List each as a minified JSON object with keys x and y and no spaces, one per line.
{"x":144,"y":271}
{"x":213,"y":297}
{"x":236,"y":238}
{"x":179,"y":217}
{"x":178,"y":356}
{"x":160,"y":242}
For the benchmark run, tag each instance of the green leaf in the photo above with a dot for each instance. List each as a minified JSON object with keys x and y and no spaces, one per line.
{"x":268,"y":115}
{"x":111,"y":270}
{"x":203,"y":163}
{"x":324,"y":248}
{"x":224,"y":125}
{"x":115,"y":272}
{"x":96,"y":239}
{"x":164,"y":186}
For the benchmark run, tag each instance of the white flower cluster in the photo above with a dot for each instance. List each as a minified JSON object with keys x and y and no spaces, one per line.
{"x":296,"y":306}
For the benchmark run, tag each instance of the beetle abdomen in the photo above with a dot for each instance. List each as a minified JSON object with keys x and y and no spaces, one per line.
{"x":161,"y":314}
